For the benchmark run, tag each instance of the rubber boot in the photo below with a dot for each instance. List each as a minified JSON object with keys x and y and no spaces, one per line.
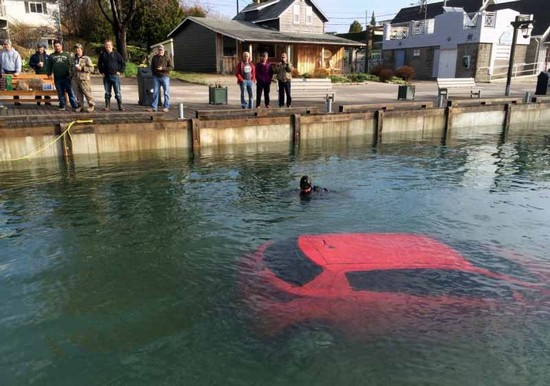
{"x":119,"y":102}
{"x":107,"y":105}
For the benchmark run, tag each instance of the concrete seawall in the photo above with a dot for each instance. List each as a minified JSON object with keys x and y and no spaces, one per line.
{"x":376,"y":123}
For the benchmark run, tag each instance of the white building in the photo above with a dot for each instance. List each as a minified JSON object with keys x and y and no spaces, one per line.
{"x":465,"y":41}
{"x":42,"y":17}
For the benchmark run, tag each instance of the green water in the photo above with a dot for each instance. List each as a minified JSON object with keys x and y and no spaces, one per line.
{"x":122,"y":271}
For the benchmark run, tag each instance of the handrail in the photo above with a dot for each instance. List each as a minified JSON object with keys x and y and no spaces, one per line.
{"x":519,"y":69}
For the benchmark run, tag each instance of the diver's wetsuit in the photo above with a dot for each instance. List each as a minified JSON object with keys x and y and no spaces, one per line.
{"x":314,"y":190}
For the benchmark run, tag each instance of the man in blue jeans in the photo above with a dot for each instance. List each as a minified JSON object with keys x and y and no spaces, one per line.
{"x":111,"y":65}
{"x":246,"y":77}
{"x":59,"y":64}
{"x":161,"y":65}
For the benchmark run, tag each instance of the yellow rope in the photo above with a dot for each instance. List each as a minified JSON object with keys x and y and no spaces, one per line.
{"x":50,"y":143}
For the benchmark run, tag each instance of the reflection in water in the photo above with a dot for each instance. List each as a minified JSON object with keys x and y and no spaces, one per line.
{"x":122,"y":271}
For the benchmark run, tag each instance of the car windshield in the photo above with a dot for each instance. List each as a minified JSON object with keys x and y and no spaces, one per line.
{"x":288,"y":263}
{"x":430,"y":282}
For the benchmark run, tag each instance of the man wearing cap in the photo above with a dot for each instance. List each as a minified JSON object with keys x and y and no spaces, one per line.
{"x":111,"y":65}
{"x":161,"y":65}
{"x":39,"y":60}
{"x":39,"y":63}
{"x":81,"y":83}
{"x":60,"y":66}
{"x":11,"y":61}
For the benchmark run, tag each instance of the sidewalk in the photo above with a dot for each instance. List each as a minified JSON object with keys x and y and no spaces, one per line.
{"x":196,"y":96}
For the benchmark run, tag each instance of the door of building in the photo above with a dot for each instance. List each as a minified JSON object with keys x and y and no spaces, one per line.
{"x":447,"y":63}
{"x":435,"y":69}
{"x":399,"y":58}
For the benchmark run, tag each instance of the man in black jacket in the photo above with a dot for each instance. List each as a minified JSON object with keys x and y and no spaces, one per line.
{"x":161,"y":65}
{"x":111,"y":65}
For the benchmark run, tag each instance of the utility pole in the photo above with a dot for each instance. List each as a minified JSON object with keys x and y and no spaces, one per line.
{"x":367,"y":51}
{"x":237,"y":7}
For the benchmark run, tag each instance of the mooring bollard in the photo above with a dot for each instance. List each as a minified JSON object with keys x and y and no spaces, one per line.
{"x":329,"y":100}
{"x":181,"y":112}
{"x":527,"y":97}
{"x":440,"y":100}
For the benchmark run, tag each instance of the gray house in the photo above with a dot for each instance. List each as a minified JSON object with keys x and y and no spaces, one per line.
{"x":275,"y":26}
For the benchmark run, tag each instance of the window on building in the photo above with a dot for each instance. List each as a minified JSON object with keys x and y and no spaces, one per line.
{"x":309,"y":15}
{"x":296,"y":9}
{"x":229,"y":46}
{"x":34,"y":7}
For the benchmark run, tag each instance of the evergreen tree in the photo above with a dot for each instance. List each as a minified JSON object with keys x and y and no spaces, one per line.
{"x":373,"y":19}
{"x":355,"y":27}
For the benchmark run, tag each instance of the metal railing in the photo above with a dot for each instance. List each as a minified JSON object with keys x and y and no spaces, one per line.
{"x":518,"y":70}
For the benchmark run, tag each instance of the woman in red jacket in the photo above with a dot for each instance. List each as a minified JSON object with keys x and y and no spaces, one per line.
{"x":246,"y":77}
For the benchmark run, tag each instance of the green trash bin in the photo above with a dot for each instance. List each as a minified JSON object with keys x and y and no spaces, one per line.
{"x":406,"y":92}
{"x":217,"y":95}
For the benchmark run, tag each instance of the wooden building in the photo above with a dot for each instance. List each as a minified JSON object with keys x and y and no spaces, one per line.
{"x":275,"y":26}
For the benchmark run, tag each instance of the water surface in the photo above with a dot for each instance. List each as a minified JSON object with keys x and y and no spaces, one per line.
{"x":122,"y":271}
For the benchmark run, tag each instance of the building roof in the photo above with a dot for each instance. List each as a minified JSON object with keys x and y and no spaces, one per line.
{"x":271,"y":9}
{"x":249,"y":32}
{"x":434,"y":9}
{"x":534,"y":7}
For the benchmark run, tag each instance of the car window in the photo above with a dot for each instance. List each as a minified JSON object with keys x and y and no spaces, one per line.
{"x":429,"y":282}
{"x":480,"y":256}
{"x":288,"y":263}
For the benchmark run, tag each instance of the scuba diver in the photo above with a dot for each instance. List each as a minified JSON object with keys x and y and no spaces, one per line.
{"x":307,"y":188}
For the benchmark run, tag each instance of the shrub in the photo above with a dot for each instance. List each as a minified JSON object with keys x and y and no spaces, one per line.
{"x":375,"y":70}
{"x":338,"y":79}
{"x":385,"y":74}
{"x":321,"y":72}
{"x":295,"y":73}
{"x":131,"y":70}
{"x":407,"y":73}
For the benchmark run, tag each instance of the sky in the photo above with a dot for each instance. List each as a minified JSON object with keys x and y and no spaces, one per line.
{"x":341,"y":13}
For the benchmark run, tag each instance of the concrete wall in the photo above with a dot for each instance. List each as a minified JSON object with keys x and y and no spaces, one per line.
{"x":373,"y":126}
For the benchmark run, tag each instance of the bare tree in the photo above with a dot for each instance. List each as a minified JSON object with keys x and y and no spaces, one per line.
{"x":119,"y":15}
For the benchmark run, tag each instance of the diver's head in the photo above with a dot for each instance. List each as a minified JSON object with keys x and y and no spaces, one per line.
{"x":305,"y":184}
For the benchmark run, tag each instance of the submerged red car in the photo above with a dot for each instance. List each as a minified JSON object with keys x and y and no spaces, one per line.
{"x":374,"y":282}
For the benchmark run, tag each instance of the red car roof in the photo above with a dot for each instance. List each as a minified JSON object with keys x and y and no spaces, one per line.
{"x":381,"y":251}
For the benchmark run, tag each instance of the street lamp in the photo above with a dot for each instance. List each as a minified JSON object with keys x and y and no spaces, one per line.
{"x":525,"y":24}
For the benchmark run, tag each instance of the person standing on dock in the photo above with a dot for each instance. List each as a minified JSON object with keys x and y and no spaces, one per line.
{"x":161,"y":65}
{"x":264,"y":75}
{"x":111,"y":65}
{"x":82,"y":85}
{"x":39,"y":60}
{"x":39,"y":63}
{"x":11,"y":61}
{"x":246,"y":77}
{"x":59,"y":65}
{"x":283,"y":71}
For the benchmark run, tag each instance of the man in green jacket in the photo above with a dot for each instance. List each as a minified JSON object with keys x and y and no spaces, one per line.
{"x":60,"y":65}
